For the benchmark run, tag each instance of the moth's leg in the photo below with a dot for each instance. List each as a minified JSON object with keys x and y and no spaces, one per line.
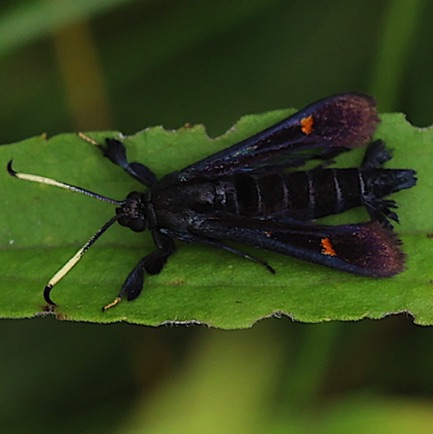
{"x":115,"y":151}
{"x":237,"y":252}
{"x":150,"y":264}
{"x":381,"y":210}
{"x":190,"y":237}
{"x":376,"y":155}
{"x":324,"y":164}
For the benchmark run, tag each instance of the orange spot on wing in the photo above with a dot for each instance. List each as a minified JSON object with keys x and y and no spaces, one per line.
{"x":327,"y":248}
{"x":307,"y":125}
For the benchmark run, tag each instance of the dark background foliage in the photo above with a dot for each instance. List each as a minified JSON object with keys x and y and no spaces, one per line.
{"x":125,"y":65}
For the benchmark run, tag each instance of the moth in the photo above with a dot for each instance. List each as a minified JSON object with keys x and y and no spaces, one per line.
{"x":255,"y":193}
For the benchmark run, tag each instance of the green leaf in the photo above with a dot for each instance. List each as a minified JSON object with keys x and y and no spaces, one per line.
{"x":42,"y":227}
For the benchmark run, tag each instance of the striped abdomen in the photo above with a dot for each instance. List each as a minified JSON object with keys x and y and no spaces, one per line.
{"x":307,"y":194}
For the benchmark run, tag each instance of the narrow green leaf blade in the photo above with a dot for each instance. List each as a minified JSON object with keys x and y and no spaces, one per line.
{"x":42,"y":227}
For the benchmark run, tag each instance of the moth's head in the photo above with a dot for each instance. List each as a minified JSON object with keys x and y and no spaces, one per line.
{"x":133,"y":212}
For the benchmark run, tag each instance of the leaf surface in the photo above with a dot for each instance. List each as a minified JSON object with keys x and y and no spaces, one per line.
{"x":42,"y":227}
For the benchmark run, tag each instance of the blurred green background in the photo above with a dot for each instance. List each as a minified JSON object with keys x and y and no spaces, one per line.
{"x":124,"y":65}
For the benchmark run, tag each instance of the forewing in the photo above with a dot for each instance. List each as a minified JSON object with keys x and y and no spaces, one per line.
{"x":367,"y":249}
{"x":319,"y":131}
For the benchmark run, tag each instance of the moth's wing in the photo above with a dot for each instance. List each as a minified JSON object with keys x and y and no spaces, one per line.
{"x":367,"y":249}
{"x":320,"y":131}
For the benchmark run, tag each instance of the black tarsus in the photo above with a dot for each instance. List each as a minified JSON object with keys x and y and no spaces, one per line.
{"x":150,"y":264}
{"x":115,"y":151}
{"x":376,"y":155}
